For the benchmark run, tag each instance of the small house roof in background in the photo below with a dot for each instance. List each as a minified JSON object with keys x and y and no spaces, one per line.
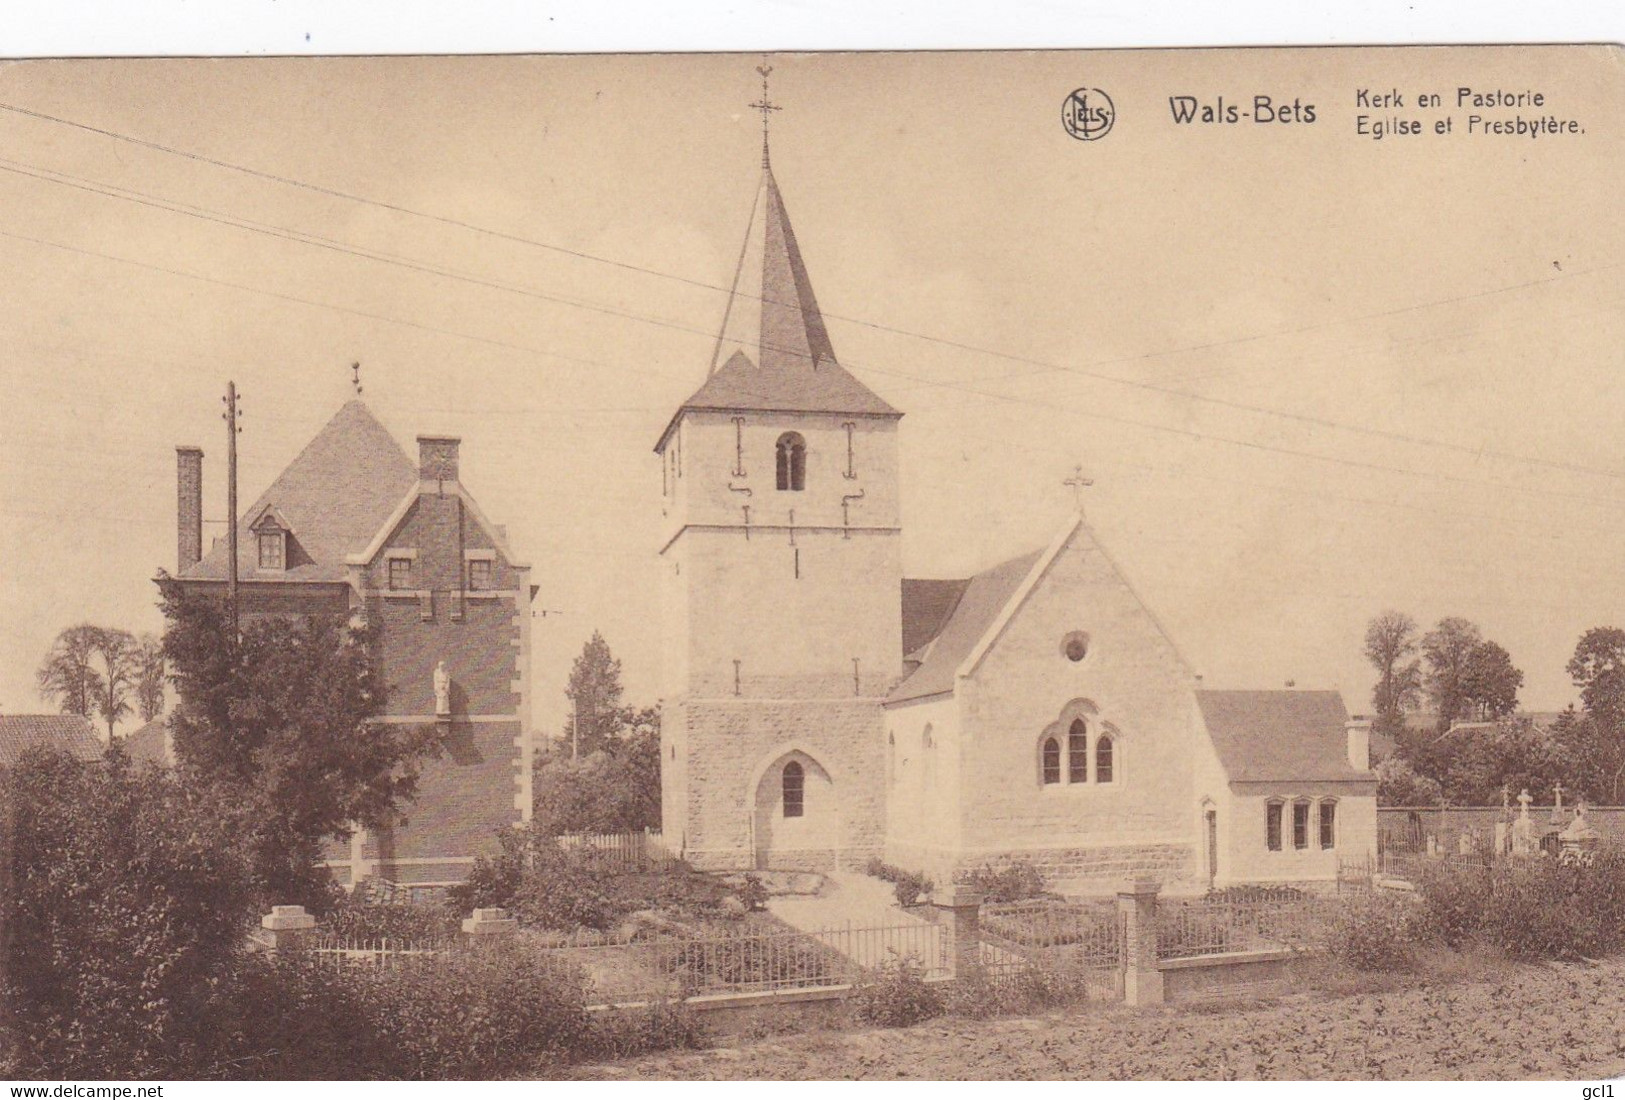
{"x":69,"y":732}
{"x":150,"y":743}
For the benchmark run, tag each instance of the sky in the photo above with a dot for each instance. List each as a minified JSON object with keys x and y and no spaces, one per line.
{"x":1313,"y":375}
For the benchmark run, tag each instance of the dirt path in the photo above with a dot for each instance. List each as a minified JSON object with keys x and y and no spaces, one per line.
{"x":1564,"y":1022}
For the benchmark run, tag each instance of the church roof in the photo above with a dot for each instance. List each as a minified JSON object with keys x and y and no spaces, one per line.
{"x":980,"y":600}
{"x":926,"y":607}
{"x":774,"y":353}
{"x":334,"y":496}
{"x":67,"y":732}
{"x":1279,"y":736}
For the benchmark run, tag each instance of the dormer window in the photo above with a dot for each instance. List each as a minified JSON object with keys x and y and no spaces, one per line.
{"x":271,"y":533}
{"x":791,"y":462}
{"x":273,"y":550}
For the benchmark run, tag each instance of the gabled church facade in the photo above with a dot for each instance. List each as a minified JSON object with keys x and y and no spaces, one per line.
{"x":354,"y":526}
{"x":820,"y":709}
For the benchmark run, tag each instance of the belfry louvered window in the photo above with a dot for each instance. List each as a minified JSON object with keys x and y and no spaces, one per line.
{"x":791,"y":464}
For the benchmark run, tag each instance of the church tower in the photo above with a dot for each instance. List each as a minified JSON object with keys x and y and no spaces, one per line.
{"x":782,"y":577}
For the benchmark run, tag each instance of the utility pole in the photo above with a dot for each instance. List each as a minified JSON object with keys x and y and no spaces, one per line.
{"x":230,"y":416}
{"x":575,"y":735}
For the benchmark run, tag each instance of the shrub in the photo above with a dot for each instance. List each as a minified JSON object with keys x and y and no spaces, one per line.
{"x":478,"y":1013}
{"x":1456,"y":902}
{"x":896,"y":995}
{"x":356,"y":917}
{"x":124,"y":897}
{"x":625,"y":1032}
{"x":1016,"y":882}
{"x":908,"y":886}
{"x":1377,"y":931}
{"x":753,"y":893}
{"x":980,"y":996}
{"x":1538,"y":908}
{"x":543,"y":883}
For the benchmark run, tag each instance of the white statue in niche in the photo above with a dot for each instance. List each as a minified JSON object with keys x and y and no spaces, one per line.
{"x":442,"y":690}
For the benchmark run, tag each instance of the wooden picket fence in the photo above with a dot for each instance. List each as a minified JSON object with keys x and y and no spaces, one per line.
{"x":624,"y":853}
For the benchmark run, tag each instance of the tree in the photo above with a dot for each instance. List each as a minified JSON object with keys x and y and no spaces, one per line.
{"x":1449,"y":648}
{"x":149,"y":678}
{"x":615,"y":789}
{"x":1491,"y":682}
{"x":117,"y":651}
{"x":68,"y":674}
{"x":1598,"y":670}
{"x":124,"y":906}
{"x":1598,"y":734}
{"x":594,"y":691}
{"x":1398,"y":784}
{"x":1390,"y":646}
{"x":280,"y":720}
{"x":1511,"y":755}
{"x":91,"y":670}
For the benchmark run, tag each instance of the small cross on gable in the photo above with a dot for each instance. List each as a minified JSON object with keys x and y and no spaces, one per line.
{"x":1078,"y":483}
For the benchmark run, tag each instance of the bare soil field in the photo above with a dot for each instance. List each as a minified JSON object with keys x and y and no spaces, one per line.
{"x":1516,"y":1022}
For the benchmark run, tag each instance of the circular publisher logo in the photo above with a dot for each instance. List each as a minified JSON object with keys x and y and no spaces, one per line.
{"x":1088,"y":114}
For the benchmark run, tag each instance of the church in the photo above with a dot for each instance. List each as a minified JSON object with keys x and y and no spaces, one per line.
{"x":820,"y":709}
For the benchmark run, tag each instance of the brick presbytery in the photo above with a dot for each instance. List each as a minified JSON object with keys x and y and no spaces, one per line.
{"x":353,"y":525}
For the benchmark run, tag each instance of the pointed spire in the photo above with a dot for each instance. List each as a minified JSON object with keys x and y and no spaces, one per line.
{"x":772,"y":315}
{"x":773,"y":352}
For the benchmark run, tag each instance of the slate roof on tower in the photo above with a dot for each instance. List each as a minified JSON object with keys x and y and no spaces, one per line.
{"x":334,"y":497}
{"x":774,"y":353}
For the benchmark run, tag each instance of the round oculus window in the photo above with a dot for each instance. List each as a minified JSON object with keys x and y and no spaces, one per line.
{"x":1075,"y":646}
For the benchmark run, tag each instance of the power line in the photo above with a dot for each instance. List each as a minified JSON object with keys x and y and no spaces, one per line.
{"x":1042,"y":366}
{"x":1050,"y":406}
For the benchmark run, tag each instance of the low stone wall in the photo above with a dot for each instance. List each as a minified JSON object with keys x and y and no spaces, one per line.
{"x":1238,"y":975}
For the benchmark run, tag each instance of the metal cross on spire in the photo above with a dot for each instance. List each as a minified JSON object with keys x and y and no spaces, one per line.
{"x":1078,"y":483}
{"x":765,"y":105}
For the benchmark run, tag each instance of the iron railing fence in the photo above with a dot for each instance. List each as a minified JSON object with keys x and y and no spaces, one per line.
{"x":639,"y":965}
{"x":1243,"y":918}
{"x":1079,"y":943}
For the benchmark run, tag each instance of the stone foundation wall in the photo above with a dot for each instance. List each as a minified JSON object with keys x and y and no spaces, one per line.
{"x":1105,"y":867}
{"x":1238,"y":976}
{"x":730,"y":747}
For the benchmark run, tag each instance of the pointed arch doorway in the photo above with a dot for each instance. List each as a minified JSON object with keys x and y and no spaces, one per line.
{"x":795,"y":819}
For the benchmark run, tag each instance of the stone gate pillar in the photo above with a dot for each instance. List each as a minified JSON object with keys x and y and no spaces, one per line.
{"x":961,"y":911}
{"x":286,"y":927}
{"x":1142,"y":980}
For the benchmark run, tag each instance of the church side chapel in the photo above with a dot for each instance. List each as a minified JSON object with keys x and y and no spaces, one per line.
{"x":820,"y":709}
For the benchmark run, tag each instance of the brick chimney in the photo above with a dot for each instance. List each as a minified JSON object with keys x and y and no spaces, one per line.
{"x":1359,"y":735}
{"x":188,"y":506}
{"x":437,"y":457}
